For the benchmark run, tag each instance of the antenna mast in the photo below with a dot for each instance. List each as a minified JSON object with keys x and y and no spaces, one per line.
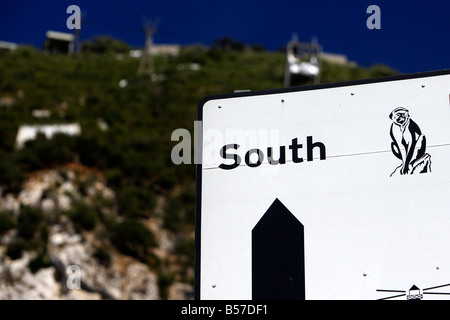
{"x":146,"y":64}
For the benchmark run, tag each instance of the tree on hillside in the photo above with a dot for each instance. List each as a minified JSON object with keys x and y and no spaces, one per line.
{"x":104,"y":44}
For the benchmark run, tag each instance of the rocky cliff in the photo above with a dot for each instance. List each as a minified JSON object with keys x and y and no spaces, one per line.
{"x":61,"y":237}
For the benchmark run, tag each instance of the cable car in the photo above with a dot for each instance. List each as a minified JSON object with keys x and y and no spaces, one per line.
{"x":302,"y":62}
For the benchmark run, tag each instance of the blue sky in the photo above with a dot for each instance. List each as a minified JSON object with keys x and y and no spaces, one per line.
{"x":414,"y":35}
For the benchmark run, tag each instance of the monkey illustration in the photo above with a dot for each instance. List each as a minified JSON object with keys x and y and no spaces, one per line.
{"x":408,"y":144}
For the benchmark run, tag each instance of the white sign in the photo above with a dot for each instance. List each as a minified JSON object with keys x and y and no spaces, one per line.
{"x":363,"y":166}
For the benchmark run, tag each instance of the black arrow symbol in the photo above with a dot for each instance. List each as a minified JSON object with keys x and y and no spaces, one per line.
{"x":278,"y":266}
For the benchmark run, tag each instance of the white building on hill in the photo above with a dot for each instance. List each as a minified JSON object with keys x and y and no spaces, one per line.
{"x":29,"y":132}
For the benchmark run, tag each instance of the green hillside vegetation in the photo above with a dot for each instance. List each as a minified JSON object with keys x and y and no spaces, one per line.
{"x":134,"y":152}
